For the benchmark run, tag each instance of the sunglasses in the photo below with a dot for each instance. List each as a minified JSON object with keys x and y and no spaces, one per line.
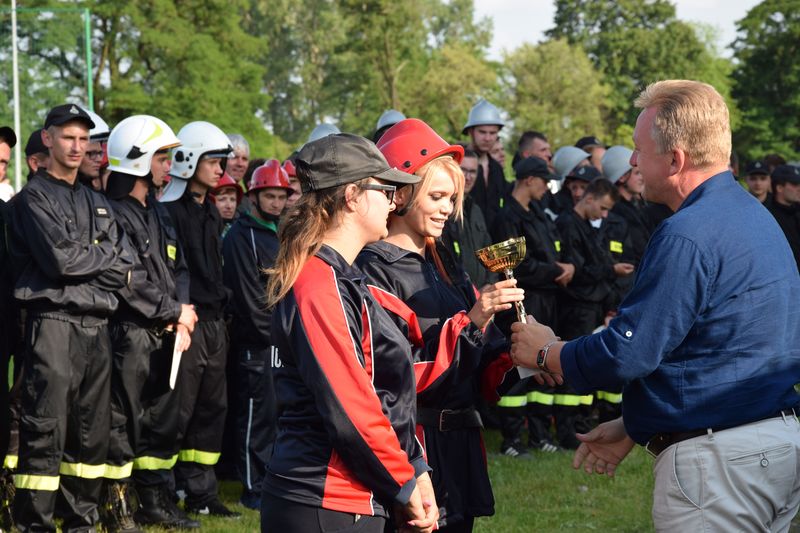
{"x":388,"y":190}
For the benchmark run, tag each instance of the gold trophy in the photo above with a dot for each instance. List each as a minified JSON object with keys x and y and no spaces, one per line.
{"x":503,"y":257}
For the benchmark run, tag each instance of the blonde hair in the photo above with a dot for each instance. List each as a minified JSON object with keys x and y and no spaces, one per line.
{"x":692,"y":116}
{"x":449,"y":165}
{"x":301,"y":233}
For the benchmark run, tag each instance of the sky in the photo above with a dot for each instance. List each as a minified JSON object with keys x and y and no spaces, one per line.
{"x":520,"y":21}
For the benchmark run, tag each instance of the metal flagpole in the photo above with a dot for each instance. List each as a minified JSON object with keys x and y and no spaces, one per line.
{"x":15,"y":66}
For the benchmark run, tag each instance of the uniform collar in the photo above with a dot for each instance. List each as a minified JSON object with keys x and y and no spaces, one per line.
{"x":335,"y":259}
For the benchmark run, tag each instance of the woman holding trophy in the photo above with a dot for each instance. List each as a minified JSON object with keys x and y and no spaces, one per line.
{"x":446,"y":321}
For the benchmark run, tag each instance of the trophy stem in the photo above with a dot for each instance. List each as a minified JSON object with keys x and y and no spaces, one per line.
{"x":519,"y":306}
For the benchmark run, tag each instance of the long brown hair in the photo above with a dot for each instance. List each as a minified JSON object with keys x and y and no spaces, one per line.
{"x":301,"y":233}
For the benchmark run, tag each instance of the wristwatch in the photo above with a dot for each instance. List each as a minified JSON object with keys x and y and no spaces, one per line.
{"x":541,"y":357}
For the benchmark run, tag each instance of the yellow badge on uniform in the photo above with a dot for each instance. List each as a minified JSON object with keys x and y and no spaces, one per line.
{"x":558,"y":246}
{"x":172,"y":252}
{"x":457,"y":248}
{"x":615,"y":246}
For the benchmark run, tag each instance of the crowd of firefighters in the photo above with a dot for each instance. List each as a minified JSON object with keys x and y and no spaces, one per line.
{"x":135,"y":266}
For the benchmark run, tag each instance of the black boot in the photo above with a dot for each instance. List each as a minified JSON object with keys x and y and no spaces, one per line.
{"x":117,"y":513}
{"x":6,"y":499}
{"x":156,"y":507}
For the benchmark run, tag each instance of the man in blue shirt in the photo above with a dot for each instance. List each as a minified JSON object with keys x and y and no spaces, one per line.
{"x":707,"y":343}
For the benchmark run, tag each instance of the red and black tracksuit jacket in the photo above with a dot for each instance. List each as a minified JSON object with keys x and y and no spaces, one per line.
{"x":450,"y":356}
{"x":346,"y":394}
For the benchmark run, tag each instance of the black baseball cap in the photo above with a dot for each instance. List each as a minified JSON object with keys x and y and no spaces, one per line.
{"x":8,"y":135}
{"x":757,"y":167}
{"x":534,"y":167}
{"x":343,"y":158}
{"x":591,"y":140}
{"x":786,"y":174}
{"x":35,"y":145}
{"x":586,"y":173}
{"x":65,"y":113}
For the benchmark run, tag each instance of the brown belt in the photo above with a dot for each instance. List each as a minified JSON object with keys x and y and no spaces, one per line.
{"x":662,"y":441}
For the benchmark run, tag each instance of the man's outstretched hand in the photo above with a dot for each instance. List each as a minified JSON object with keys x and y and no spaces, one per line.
{"x":603,"y":448}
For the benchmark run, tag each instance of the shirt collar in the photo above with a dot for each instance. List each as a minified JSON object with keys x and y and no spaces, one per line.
{"x":717,"y":182}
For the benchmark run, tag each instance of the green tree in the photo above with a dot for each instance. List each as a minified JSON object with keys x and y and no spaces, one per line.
{"x":767,"y":80}
{"x":634,"y":43}
{"x":554,"y":88}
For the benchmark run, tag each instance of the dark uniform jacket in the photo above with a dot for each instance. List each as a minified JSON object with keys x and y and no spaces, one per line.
{"x":638,"y":228}
{"x":160,"y":280}
{"x":249,"y":247}
{"x":71,"y":253}
{"x":199,"y":229}
{"x":537,"y":272}
{"x":788,"y":218}
{"x":583,"y":246}
{"x":489,"y":195}
{"x":346,"y":396}
{"x":464,"y":238}
{"x":450,"y":353}
{"x":615,"y":234}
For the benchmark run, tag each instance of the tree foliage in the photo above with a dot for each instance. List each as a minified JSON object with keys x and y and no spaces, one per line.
{"x":554,"y":88}
{"x":634,"y":43}
{"x":274,"y":69}
{"x":767,"y":79}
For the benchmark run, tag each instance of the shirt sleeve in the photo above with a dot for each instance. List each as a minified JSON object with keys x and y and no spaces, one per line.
{"x":652,"y":321}
{"x":241,"y":273}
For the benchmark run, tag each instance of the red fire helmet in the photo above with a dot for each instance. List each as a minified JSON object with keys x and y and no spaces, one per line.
{"x":270,"y":175}
{"x":411,"y":143}
{"x":226,"y":182}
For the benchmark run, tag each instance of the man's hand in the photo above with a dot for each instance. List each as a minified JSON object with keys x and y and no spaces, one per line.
{"x":527,"y":340}
{"x":429,"y":506}
{"x":567,"y":273}
{"x":603,"y":448}
{"x":493,"y":299}
{"x":623,"y":269}
{"x":188,"y":317}
{"x":185,"y":338}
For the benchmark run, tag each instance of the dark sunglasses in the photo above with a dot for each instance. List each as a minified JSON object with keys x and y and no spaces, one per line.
{"x":388,"y":190}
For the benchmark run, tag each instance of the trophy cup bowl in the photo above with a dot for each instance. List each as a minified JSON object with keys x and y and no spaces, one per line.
{"x":503,"y":257}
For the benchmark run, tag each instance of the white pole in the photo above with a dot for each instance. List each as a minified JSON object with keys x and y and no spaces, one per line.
{"x":15,"y":66}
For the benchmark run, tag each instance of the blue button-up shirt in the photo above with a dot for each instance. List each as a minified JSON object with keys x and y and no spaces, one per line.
{"x":709,"y":337}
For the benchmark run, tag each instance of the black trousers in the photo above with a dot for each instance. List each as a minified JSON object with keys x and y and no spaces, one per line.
{"x":202,"y":396}
{"x":257,"y":414}
{"x":144,"y":410}
{"x":64,"y":422}
{"x":283,"y":516}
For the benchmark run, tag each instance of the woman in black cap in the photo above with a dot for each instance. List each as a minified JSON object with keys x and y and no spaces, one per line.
{"x":346,"y":452}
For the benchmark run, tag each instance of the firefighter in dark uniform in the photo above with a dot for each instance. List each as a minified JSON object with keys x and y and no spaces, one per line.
{"x":8,"y":333}
{"x":758,"y":182}
{"x":74,"y":257}
{"x":435,"y":305}
{"x":197,"y":166}
{"x":490,"y":189}
{"x":587,"y":299}
{"x":540,"y":274}
{"x":144,"y":423}
{"x":346,"y":452}
{"x":786,"y":204}
{"x":566,"y":161}
{"x":249,"y":248}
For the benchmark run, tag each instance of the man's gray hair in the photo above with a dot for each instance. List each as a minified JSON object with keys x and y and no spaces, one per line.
{"x":239,"y":143}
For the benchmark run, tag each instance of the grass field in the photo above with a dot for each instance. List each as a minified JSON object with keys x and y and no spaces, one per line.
{"x":540,"y":494}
